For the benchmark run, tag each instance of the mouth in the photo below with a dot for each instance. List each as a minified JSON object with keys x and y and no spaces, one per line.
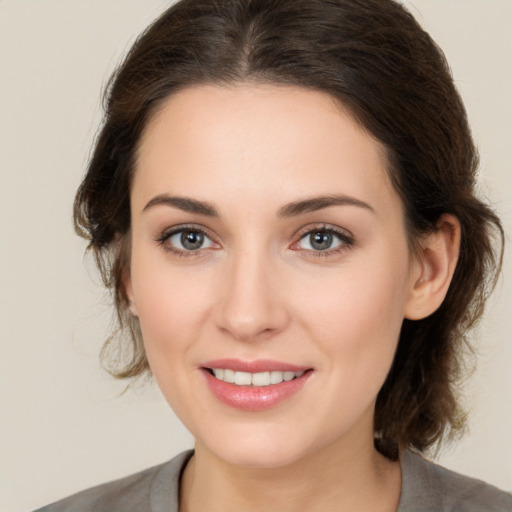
{"x":254,"y":386}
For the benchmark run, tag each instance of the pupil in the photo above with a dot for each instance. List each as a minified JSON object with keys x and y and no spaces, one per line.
{"x":321,"y":241}
{"x":192,"y":240}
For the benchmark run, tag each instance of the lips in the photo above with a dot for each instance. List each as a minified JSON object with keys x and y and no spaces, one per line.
{"x":254,"y":385}
{"x":260,"y":365}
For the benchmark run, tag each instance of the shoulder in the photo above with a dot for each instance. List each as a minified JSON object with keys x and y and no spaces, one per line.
{"x":150,"y":490}
{"x":427,"y":487}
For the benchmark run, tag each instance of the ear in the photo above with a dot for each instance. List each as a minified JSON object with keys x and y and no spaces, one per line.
{"x":122,"y":248}
{"x":128,"y":292}
{"x":433,"y":268}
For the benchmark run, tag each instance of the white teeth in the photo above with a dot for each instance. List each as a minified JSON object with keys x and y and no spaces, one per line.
{"x":243,"y":379}
{"x":229,"y":376}
{"x":254,"y":379}
{"x":219,"y":373}
{"x":261,"y":379}
{"x":276,"y":377}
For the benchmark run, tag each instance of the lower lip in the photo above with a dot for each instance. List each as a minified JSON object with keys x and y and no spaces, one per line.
{"x":251,"y":398}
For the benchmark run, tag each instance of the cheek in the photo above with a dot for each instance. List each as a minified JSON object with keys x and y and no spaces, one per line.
{"x":171,"y":307}
{"x":358,"y":322}
{"x":171,"y":304}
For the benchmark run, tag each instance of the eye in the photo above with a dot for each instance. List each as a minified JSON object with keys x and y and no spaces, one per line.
{"x":323,"y":240}
{"x":186,"y":240}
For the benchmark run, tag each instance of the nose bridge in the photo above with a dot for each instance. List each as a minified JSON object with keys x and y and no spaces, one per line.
{"x":250,"y":306}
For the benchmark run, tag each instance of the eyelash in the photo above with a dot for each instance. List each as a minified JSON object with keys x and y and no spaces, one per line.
{"x":166,"y":235}
{"x":346,"y":241}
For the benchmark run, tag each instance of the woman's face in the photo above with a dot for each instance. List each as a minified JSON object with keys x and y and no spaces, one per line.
{"x":267,"y":243}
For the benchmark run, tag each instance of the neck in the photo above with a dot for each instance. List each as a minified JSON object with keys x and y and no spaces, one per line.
{"x":354,"y":477}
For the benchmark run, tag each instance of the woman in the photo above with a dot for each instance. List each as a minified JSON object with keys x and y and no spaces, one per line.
{"x":282,"y":200}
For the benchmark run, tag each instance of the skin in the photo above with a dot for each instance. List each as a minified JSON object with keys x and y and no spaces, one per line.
{"x":257,"y":289}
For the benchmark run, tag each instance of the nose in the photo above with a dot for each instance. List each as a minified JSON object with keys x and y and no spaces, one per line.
{"x":252,"y":300}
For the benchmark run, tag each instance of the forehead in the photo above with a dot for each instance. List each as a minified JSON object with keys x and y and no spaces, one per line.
{"x":255,"y":141}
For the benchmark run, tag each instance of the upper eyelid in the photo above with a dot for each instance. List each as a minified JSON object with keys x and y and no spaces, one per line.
{"x":168,"y":232}
{"x":305,"y":229}
{"x":324,"y":227}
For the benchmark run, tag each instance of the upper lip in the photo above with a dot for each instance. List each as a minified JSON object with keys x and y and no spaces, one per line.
{"x":257,"y":366}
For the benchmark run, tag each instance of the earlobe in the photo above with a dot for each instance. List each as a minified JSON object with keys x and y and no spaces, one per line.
{"x":433,"y":268}
{"x":133,"y":309}
{"x":128,"y":290}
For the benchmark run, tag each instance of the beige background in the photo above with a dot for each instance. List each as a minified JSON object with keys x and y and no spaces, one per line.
{"x":63,"y":425}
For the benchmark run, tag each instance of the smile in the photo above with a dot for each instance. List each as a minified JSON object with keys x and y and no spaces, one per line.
{"x":260,"y":379}
{"x":255,"y":385}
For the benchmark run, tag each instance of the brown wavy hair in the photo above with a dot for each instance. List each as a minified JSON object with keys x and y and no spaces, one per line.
{"x":375,"y":59}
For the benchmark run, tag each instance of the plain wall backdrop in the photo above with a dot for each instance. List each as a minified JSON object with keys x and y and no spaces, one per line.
{"x":64,"y":424}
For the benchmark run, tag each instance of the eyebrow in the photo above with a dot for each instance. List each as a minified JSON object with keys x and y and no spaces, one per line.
{"x":318,"y":203}
{"x":289,"y":210}
{"x":183,"y":203}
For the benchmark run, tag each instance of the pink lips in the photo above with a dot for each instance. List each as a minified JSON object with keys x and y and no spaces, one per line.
{"x":261,"y":365}
{"x":251,"y":398}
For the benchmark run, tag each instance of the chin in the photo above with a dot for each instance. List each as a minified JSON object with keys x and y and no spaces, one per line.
{"x":256,"y":447}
